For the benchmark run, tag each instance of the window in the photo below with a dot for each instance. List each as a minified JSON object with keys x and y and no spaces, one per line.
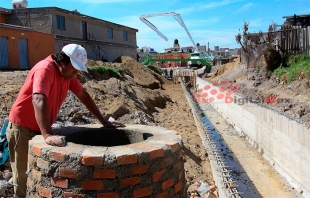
{"x":125,"y":36}
{"x":110,"y":32}
{"x":61,"y":23}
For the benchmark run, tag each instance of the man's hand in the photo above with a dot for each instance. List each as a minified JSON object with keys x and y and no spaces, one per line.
{"x":113,"y":124}
{"x":55,"y":140}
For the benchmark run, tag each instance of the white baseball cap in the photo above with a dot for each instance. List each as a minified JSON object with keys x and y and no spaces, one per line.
{"x":78,"y":56}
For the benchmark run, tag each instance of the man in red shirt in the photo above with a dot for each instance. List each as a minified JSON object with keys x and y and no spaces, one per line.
{"x":38,"y":103}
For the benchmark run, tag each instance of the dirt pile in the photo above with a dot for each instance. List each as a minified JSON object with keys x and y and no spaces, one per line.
{"x":139,"y":96}
{"x":293,"y":99}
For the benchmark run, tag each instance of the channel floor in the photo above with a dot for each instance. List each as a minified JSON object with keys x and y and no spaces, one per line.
{"x":254,"y":176}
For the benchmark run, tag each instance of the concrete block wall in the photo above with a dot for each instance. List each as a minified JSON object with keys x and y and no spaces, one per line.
{"x":283,"y":142}
{"x":150,"y":168}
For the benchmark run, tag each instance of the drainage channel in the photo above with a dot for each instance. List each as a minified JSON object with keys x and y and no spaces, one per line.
{"x":235,"y":172}
{"x":222,"y":172}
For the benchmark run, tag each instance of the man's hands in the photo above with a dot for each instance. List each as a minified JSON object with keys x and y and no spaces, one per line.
{"x":55,"y":140}
{"x":113,"y":124}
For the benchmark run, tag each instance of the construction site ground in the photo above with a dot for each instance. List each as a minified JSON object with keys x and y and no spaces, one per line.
{"x":141,"y":96}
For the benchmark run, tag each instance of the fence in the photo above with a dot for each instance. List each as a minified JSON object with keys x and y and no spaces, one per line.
{"x":289,"y":40}
{"x":294,"y":40}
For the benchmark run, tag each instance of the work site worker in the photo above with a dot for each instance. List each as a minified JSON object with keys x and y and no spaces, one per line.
{"x":38,"y":103}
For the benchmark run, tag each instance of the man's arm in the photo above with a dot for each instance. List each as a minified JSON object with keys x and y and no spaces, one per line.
{"x":40,"y":106}
{"x":85,"y":98}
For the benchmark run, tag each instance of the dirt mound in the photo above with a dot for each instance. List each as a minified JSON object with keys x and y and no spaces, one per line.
{"x":139,"y":96}
{"x":292,"y":100}
{"x":141,"y":74}
{"x":219,"y":72}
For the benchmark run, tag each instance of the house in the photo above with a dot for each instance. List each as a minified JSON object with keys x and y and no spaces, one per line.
{"x":103,"y":40}
{"x":22,"y":47}
{"x":302,"y":20}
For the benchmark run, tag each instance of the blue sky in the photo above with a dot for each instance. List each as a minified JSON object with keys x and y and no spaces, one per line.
{"x":213,"y":21}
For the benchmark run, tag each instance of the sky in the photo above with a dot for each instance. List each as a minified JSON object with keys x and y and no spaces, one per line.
{"x":216,"y":22}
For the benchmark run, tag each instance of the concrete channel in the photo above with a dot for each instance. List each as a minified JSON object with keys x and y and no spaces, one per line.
{"x":239,"y":170}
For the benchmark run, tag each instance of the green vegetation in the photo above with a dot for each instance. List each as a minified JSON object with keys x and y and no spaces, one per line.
{"x":298,"y":67}
{"x":110,"y":71}
{"x":155,"y":69}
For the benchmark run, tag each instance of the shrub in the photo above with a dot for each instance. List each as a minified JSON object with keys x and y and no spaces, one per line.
{"x":298,"y":67}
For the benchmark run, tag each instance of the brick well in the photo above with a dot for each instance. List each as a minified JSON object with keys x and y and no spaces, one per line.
{"x":135,"y":161}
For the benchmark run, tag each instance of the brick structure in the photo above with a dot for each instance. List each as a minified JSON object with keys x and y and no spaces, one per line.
{"x":135,"y":161}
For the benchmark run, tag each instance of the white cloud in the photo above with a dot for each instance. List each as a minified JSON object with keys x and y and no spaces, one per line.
{"x":245,"y":7}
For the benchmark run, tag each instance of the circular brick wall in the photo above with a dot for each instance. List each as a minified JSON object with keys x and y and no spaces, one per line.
{"x":135,"y":161}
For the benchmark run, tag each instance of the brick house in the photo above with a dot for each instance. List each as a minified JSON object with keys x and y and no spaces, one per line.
{"x":22,"y":47}
{"x":101,"y":39}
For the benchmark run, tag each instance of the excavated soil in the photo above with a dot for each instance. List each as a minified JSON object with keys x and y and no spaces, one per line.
{"x":139,"y":96}
{"x":292,"y":100}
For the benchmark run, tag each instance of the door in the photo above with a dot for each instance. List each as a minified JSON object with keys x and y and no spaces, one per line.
{"x":4,"y":52}
{"x":84,"y":30}
{"x":23,"y":53}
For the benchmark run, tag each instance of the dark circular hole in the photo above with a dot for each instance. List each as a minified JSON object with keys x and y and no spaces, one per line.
{"x":107,"y":137}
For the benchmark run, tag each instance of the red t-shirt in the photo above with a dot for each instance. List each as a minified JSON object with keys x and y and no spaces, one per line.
{"x":44,"y":78}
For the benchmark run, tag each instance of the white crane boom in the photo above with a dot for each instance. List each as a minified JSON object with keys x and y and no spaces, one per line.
{"x":176,"y":16}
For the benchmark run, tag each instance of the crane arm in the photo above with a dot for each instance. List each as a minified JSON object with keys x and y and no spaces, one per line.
{"x":176,"y":16}
{"x":153,"y":28}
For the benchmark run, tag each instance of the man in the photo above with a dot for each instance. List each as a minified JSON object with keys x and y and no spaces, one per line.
{"x":38,"y":103}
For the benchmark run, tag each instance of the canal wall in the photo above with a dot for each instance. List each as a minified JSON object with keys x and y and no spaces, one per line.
{"x":282,"y":141}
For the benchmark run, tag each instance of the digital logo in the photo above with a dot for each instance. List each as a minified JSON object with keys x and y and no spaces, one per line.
{"x":216,"y":92}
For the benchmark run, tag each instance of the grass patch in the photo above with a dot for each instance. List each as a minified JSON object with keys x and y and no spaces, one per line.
{"x":298,"y":67}
{"x":111,"y":71}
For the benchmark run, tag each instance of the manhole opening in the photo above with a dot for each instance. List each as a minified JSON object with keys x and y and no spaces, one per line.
{"x":107,"y":137}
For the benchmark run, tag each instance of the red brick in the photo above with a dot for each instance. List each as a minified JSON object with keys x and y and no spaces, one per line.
{"x":36,"y":175}
{"x":180,"y":153}
{"x":142,"y":192}
{"x":45,"y":192}
{"x":36,"y":149}
{"x":178,"y":187}
{"x":162,"y":195}
{"x":157,"y":176}
{"x":92,"y":160}
{"x":72,"y":195}
{"x":174,"y":146}
{"x":155,"y":152}
{"x":59,"y":182}
{"x":177,"y":196}
{"x":42,"y":164}
{"x":67,"y":173}
{"x":92,"y":185}
{"x":164,"y":163}
{"x":93,"y":156}
{"x":104,"y":174}
{"x":31,"y":161}
{"x":140,"y":169}
{"x":57,"y":155}
{"x":129,"y":182}
{"x":180,"y":174}
{"x":178,"y":166}
{"x":167,"y":184}
{"x":127,"y":159}
{"x":107,"y":195}
{"x":60,"y":153}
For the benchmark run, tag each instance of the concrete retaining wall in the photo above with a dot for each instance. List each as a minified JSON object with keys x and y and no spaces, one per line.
{"x":282,"y":141}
